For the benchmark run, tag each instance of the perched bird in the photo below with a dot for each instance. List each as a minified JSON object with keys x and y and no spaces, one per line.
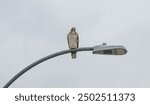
{"x":73,"y":41}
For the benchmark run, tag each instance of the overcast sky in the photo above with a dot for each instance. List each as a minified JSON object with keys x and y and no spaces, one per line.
{"x":32,"y":29}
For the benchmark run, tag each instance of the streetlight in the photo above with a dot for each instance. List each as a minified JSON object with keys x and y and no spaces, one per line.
{"x":101,"y":49}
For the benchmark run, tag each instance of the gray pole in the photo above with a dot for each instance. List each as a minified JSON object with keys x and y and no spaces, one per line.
{"x":44,"y":59}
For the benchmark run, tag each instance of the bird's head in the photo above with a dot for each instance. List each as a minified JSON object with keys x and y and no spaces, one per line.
{"x":73,"y":29}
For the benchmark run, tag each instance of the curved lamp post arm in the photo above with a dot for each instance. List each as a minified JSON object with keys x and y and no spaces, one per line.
{"x":44,"y":59}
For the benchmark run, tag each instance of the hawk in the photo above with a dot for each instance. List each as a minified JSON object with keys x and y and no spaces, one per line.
{"x":73,"y":41}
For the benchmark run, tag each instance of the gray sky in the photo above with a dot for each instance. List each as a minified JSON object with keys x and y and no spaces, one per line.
{"x":32,"y":29}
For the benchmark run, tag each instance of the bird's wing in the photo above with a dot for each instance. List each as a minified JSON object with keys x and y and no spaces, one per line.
{"x":68,"y":39}
{"x":77,"y":40}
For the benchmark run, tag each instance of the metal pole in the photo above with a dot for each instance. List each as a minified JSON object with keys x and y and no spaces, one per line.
{"x":44,"y":59}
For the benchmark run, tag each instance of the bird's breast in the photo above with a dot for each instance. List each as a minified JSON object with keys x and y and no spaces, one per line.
{"x":73,"y":42}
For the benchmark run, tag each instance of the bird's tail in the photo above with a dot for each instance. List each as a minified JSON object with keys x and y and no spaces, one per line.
{"x":73,"y":55}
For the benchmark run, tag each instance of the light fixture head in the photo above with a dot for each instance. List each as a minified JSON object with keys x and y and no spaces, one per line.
{"x":109,"y":50}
